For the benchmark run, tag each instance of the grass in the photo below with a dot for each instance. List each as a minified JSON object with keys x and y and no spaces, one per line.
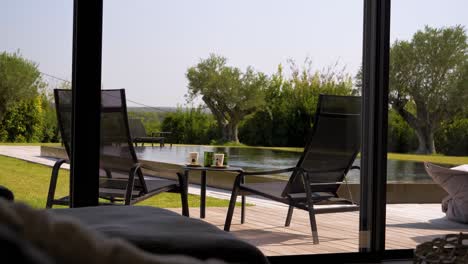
{"x":30,"y":144}
{"x":30,"y":184}
{"x":453,"y":160}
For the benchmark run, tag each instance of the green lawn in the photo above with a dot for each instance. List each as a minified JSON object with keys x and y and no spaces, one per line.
{"x":30,"y":144}
{"x":30,"y":183}
{"x":454,"y":160}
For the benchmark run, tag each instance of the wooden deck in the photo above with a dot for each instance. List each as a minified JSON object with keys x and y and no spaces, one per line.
{"x":407,"y":226}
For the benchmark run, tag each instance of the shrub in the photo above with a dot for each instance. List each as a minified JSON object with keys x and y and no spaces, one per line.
{"x":452,"y":138}
{"x":190,"y":126}
{"x":23,"y":121}
{"x":401,"y":137}
{"x":151,"y":120}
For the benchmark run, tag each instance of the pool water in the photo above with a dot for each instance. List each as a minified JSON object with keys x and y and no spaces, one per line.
{"x":265,"y":159}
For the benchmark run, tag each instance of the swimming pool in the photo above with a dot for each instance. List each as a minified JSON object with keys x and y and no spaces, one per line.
{"x":265,"y":159}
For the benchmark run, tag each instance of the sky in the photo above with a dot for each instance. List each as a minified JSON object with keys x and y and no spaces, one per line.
{"x":148,"y":45}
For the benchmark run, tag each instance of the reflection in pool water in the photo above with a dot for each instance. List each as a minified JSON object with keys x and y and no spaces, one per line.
{"x":265,"y":159}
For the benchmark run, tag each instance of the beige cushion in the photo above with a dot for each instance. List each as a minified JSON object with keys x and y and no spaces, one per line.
{"x":455,"y":183}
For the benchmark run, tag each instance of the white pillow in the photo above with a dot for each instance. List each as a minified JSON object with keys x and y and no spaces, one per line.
{"x":455,"y":183}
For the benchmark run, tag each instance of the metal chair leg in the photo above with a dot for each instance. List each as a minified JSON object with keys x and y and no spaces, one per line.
{"x":310,"y":207}
{"x":243,"y":209}
{"x":289,"y":216}
{"x":183,"y":183}
{"x":131,"y":183}
{"x":313,"y":223}
{"x":242,"y":181}
{"x":232,"y":204}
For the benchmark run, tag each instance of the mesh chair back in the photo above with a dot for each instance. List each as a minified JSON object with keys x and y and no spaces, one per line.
{"x":137,"y":129}
{"x":332,"y":146}
{"x":63,"y":107}
{"x":116,"y":150}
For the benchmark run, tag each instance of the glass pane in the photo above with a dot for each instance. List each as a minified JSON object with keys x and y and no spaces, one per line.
{"x":243,"y":79}
{"x":35,"y":58}
{"x":428,"y":122}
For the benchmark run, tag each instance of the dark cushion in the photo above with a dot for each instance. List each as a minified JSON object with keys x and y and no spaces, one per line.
{"x":162,"y":231}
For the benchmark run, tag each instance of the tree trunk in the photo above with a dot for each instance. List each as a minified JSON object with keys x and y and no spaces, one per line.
{"x":230,"y":132}
{"x":426,"y":141}
{"x":422,"y":126}
{"x":224,"y":132}
{"x":234,"y":132}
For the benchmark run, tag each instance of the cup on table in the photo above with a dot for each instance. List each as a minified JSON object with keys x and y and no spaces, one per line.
{"x":208,"y":158}
{"x":218,"y":159}
{"x":193,"y":158}
{"x":225,"y":161}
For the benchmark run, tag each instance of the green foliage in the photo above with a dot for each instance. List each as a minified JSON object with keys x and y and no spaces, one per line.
{"x":50,"y":130}
{"x":401,"y":137}
{"x":19,"y":80}
{"x":23,"y":121}
{"x":190,"y":126}
{"x":292,"y":102}
{"x":452,"y":138}
{"x":30,"y":120}
{"x":26,"y":113}
{"x":151,"y":120}
{"x":228,"y":92}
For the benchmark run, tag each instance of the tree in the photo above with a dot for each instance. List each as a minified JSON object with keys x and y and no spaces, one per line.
{"x":228,"y":92}
{"x":19,"y":80}
{"x":426,"y":80}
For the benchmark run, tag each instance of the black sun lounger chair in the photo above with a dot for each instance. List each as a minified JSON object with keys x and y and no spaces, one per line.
{"x":329,"y":154}
{"x":121,"y":176}
{"x":139,"y":135}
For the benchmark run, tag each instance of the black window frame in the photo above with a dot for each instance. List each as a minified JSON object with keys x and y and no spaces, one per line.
{"x":86,"y":83}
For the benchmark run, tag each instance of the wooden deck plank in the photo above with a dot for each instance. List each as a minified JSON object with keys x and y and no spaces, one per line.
{"x":407,"y":226}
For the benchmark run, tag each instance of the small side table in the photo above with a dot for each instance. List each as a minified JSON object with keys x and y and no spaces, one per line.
{"x":203,"y":171}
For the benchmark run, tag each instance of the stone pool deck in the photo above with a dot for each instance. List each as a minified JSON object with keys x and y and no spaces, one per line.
{"x":407,"y":224}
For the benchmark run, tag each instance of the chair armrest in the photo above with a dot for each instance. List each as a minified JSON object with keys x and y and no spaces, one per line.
{"x":269,"y":172}
{"x":57,"y":166}
{"x":53,"y":181}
